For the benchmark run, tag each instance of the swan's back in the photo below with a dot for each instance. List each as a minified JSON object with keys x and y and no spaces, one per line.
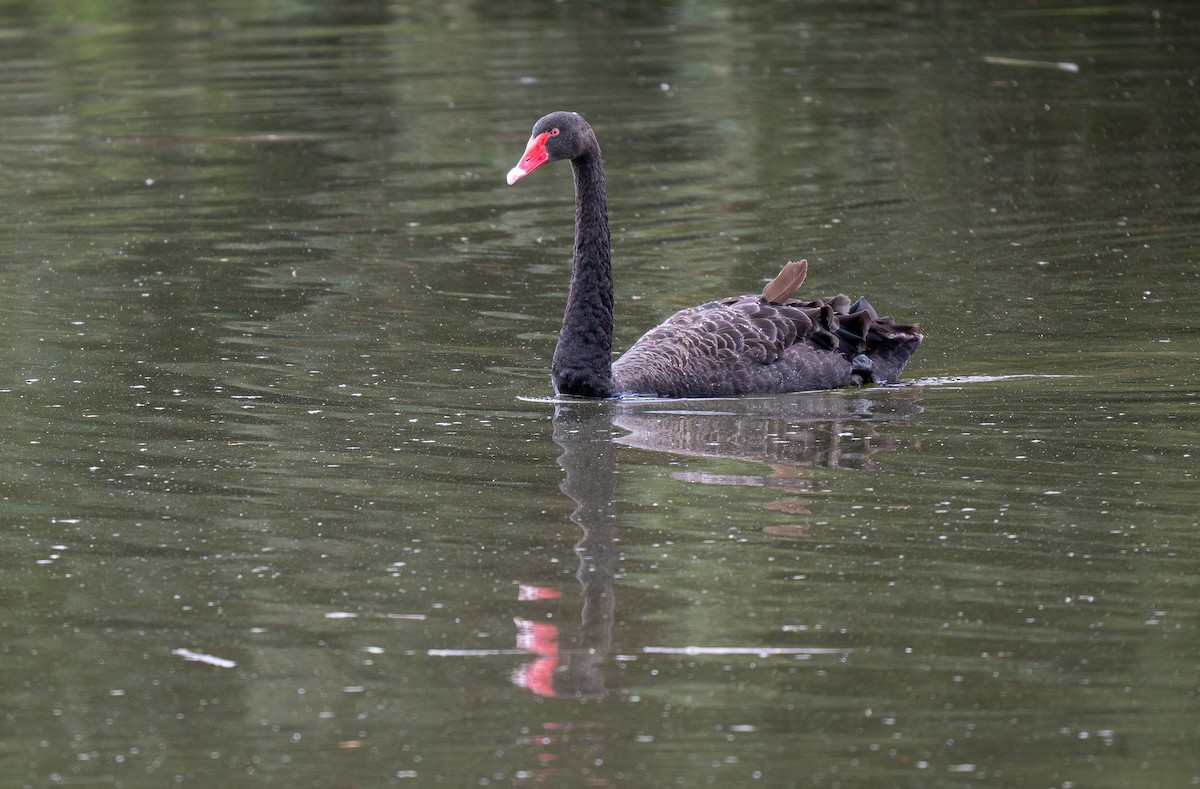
{"x":749,"y":345}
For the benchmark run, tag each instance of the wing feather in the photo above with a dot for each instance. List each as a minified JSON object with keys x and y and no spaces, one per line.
{"x":749,"y":344}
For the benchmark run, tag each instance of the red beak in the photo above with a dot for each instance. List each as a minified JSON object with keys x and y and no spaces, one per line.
{"x":535,"y":156}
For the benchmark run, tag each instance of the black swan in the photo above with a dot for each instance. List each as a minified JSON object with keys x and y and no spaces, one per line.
{"x":764,"y":343}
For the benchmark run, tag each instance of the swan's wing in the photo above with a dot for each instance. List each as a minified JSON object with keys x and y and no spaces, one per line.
{"x":746,"y":344}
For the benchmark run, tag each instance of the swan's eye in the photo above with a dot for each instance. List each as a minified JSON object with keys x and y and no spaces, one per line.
{"x":554,"y":132}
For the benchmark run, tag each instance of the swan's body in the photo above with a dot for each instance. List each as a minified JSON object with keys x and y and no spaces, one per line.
{"x":753,"y":344}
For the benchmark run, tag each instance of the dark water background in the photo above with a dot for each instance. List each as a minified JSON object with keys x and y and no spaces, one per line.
{"x":284,"y":501}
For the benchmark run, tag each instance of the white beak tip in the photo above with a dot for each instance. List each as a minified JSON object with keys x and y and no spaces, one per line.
{"x":515,"y":174}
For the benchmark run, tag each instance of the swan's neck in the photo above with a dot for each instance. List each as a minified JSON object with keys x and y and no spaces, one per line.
{"x":582,"y":363}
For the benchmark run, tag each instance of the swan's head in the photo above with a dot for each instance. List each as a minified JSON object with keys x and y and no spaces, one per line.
{"x":559,"y":135}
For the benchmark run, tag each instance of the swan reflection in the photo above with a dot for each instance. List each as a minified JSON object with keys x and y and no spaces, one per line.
{"x":789,"y":435}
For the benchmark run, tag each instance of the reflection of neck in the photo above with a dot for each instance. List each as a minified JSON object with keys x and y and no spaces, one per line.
{"x":585,"y":434}
{"x":597,"y":563}
{"x":582,"y":362}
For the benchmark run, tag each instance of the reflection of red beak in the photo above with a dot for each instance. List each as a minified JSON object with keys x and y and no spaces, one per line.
{"x":541,"y":639}
{"x":535,"y":156}
{"x":527,"y":592}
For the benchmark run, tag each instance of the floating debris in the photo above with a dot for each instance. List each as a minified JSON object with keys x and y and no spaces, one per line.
{"x":200,"y":657}
{"x":756,"y":651}
{"x":1058,"y":65}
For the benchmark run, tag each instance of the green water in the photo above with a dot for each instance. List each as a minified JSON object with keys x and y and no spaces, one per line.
{"x":286,"y":502}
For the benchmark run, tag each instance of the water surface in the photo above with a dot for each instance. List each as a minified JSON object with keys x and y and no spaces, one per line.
{"x":287,"y":502}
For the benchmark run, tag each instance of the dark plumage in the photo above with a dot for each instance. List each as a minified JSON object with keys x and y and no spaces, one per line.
{"x":753,"y":344}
